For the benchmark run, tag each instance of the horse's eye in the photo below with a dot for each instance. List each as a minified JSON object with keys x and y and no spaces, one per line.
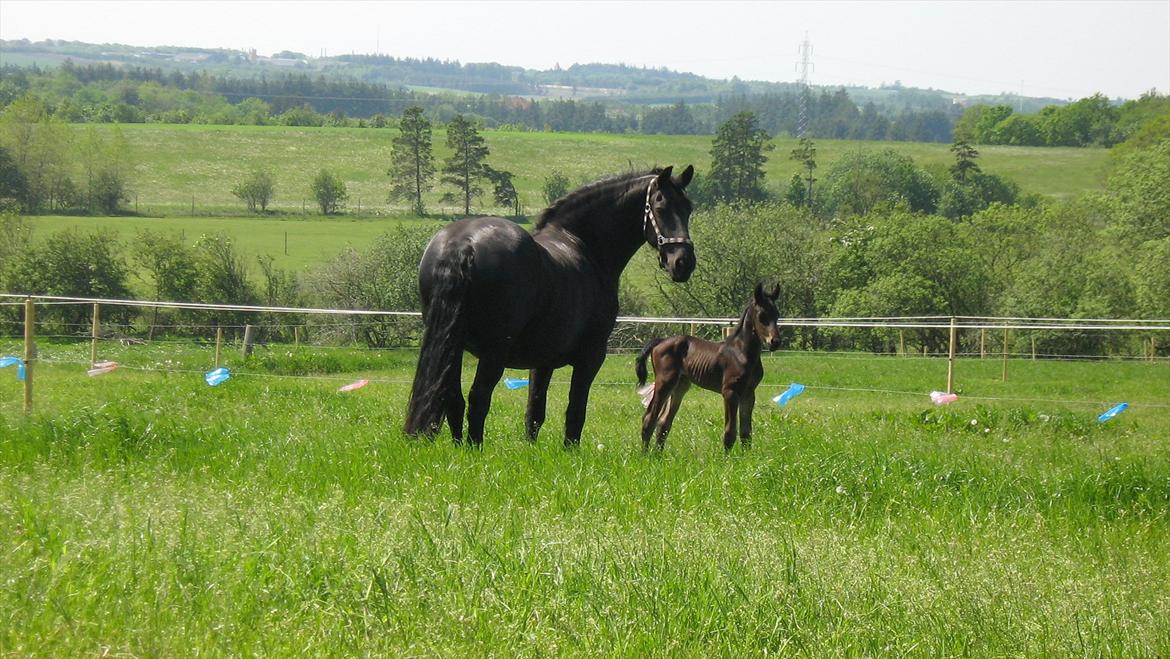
{"x":658,"y":198}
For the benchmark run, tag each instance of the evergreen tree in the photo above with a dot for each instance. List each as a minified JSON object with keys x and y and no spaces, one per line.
{"x":412,"y":164}
{"x":806,"y":155}
{"x":965,"y":156}
{"x":737,"y":159}
{"x":465,"y":168}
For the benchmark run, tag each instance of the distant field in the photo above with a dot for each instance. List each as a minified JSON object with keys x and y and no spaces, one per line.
{"x":180,"y":166}
{"x":311,"y":240}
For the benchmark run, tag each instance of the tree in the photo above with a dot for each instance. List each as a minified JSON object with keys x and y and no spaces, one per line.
{"x":556,"y":185}
{"x":806,"y":155}
{"x":965,"y":156}
{"x":330,"y":192}
{"x":860,"y":181}
{"x":412,"y":164}
{"x":503,"y":190}
{"x":257,"y":190}
{"x":465,"y":168}
{"x":737,"y":159}
{"x":12,"y":184}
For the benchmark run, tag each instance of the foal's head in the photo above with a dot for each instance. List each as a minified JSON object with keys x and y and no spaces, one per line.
{"x":763,"y":315}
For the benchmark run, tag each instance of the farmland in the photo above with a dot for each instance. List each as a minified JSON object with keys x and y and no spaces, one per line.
{"x":176,"y":164}
{"x":148,"y":513}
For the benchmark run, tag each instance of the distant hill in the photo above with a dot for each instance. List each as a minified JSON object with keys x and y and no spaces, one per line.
{"x":609,"y":83}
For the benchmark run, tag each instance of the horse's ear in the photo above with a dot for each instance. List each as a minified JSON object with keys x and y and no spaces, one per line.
{"x":759,"y":294}
{"x":664,"y":176}
{"x":685,"y":178}
{"x":775,"y":292}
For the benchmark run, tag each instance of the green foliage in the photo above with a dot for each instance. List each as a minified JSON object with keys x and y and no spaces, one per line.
{"x":862,"y":181}
{"x":329,"y":191}
{"x":68,"y":263}
{"x":1152,"y":279}
{"x":384,"y":276}
{"x":465,"y":168}
{"x":738,"y":246}
{"x":503,"y":189}
{"x":257,"y":190}
{"x":556,"y":185}
{"x":737,"y":159}
{"x":805,"y":154}
{"x":12,"y":184}
{"x":412,"y":163}
{"x":1139,"y":184}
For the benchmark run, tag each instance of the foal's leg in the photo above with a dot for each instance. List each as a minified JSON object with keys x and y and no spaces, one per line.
{"x":667,"y":419}
{"x":538,"y":380}
{"x":746,"y":405}
{"x":730,"y":409}
{"x":662,"y":395}
{"x":487,"y":375}
{"x":583,"y":373}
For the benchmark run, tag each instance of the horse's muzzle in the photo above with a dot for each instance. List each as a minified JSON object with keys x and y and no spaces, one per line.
{"x":678,"y":261}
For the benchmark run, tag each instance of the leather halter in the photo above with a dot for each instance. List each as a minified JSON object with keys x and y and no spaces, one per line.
{"x":648,"y":217}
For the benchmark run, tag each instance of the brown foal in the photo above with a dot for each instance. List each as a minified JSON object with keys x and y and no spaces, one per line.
{"x":732,"y":368}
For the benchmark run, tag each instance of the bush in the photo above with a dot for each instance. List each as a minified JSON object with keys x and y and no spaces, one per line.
{"x":257,"y":190}
{"x":330,"y":192}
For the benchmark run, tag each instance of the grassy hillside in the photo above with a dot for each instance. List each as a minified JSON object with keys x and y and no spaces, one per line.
{"x":181,"y":164}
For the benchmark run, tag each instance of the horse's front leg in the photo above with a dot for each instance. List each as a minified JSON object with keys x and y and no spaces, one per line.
{"x":479,"y":399}
{"x":584,"y":372}
{"x":730,"y":409}
{"x":538,"y":381}
{"x":746,"y":405}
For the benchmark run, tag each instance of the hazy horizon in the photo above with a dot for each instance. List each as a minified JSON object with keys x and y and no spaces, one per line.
{"x":1038,"y":49}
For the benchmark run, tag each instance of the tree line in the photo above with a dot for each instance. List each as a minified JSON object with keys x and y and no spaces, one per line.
{"x":128,"y":94}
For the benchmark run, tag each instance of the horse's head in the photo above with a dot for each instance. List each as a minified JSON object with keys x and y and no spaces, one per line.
{"x":764,"y":316}
{"x":666,"y":222}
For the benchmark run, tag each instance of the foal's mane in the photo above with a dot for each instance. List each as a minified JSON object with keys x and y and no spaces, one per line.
{"x":578,"y":205}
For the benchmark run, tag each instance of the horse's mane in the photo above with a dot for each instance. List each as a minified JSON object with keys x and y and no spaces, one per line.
{"x":571,"y":208}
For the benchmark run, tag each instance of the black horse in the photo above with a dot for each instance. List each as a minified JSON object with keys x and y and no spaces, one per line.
{"x":538,"y":300}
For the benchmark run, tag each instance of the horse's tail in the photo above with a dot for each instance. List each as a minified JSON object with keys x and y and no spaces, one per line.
{"x":640,"y":364}
{"x":441,"y":354}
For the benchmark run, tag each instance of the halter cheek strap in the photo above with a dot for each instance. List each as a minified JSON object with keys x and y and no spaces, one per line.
{"x":649,"y":218}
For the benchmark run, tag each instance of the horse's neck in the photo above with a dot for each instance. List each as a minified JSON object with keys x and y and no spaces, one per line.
{"x":744,"y":336}
{"x":612,"y":234}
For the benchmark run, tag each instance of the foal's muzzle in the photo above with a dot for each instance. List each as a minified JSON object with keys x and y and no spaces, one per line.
{"x":678,"y":260}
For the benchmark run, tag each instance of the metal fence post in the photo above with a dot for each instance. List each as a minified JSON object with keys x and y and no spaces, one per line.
{"x":30,"y":319}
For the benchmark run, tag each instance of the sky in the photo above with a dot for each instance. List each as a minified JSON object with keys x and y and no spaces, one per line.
{"x":1043,"y":49}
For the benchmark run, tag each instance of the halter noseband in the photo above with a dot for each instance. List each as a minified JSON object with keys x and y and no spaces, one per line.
{"x":648,"y":217}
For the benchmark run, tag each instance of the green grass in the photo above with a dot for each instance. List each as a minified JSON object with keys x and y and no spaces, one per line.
{"x":177,"y":165}
{"x":311,"y":240}
{"x":146,"y":513}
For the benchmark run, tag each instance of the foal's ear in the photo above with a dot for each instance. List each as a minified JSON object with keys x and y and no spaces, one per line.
{"x":759,"y":294}
{"x":684,"y":179}
{"x":664,"y":176}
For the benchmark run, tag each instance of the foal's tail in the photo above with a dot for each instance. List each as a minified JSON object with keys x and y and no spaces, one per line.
{"x":441,"y":355}
{"x":640,"y":364}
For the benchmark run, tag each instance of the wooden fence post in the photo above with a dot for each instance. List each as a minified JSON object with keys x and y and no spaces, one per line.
{"x":218,"y":344}
{"x":982,"y":342}
{"x":902,"y":342}
{"x":249,"y":336}
{"x":951,"y":359}
{"x":1033,"y":348}
{"x":97,"y":323}
{"x":30,"y":319}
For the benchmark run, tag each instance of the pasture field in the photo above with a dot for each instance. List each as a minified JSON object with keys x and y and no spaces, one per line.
{"x":146,"y":513}
{"x":311,"y":242}
{"x":180,"y":164}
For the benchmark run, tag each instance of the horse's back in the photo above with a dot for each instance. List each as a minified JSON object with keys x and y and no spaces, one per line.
{"x":521,"y":301}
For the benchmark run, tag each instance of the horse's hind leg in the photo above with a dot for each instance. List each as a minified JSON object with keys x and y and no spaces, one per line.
{"x":538,"y":381}
{"x":454,"y":400}
{"x":487,"y":375}
{"x":653,"y":413}
{"x":666,"y":421}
